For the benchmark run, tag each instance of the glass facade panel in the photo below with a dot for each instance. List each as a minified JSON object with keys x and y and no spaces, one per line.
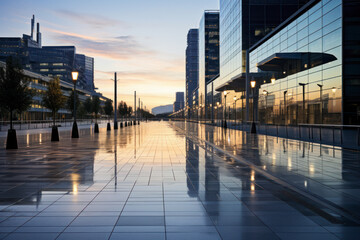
{"x":308,"y":90}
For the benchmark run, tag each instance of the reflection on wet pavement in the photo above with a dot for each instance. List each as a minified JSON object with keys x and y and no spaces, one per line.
{"x":331,"y":174}
{"x":157,"y":181}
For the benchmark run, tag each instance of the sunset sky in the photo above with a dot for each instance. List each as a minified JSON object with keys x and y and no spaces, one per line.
{"x":144,"y":41}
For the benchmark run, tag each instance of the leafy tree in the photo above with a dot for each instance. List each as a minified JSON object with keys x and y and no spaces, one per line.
{"x":108,"y":108}
{"x":88,"y":105}
{"x":121,"y":109}
{"x":15,"y":94}
{"x":81,"y":111}
{"x":129,"y":110}
{"x":95,"y":105}
{"x":53,"y":98}
{"x":70,"y":102}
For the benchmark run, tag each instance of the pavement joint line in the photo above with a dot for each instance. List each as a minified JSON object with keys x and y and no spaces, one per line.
{"x":313,"y":197}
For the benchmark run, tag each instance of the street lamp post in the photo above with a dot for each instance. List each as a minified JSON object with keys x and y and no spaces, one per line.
{"x":266,"y":93}
{"x":75,"y":131}
{"x":139,"y":115}
{"x":235,"y":100}
{"x":217,"y":113}
{"x":253,"y":126}
{"x":115,"y":105}
{"x":303,"y":87}
{"x":225,"y":125}
{"x":135,"y":107}
{"x":242,"y":109}
{"x":285,"y":112}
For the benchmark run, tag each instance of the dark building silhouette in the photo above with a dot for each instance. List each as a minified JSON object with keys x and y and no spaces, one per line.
{"x":51,"y":61}
{"x":192,"y":67}
{"x":179,"y":101}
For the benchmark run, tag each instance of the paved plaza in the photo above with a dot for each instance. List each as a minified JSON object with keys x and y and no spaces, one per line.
{"x":176,"y":180}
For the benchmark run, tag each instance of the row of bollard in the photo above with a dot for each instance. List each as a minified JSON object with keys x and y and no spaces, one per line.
{"x":108,"y":128}
{"x":11,"y":140}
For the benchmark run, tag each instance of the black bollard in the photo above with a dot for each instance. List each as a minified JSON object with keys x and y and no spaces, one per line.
{"x":108,"y":128}
{"x":55,"y":134}
{"x":11,"y":141}
{"x":75,"y":131}
{"x":121,"y":125}
{"x":96,"y":128}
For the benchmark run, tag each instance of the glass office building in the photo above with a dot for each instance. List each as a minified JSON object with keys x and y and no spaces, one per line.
{"x":208,"y":56}
{"x":242,"y":24}
{"x":313,"y":80}
{"x":192,"y":68}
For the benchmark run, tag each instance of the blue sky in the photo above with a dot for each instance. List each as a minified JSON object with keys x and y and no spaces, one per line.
{"x":143,"y":40}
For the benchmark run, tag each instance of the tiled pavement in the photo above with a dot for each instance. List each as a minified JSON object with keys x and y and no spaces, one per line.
{"x":156,"y":181}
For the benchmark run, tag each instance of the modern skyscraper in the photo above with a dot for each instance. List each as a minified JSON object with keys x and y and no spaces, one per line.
{"x":85,"y":66}
{"x":242,"y":24}
{"x":192,"y":67}
{"x":179,"y":101}
{"x":208,"y":55}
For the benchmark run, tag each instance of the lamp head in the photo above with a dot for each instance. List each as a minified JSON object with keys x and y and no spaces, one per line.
{"x":235,"y":98}
{"x":225,"y":93}
{"x":253,"y":83}
{"x":333,"y":89}
{"x":273,"y":80}
{"x":75,"y":76}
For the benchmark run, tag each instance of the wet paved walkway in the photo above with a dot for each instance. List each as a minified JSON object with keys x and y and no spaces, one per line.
{"x":160,"y":181}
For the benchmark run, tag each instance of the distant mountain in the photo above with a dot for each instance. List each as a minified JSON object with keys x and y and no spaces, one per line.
{"x":162,"y":109}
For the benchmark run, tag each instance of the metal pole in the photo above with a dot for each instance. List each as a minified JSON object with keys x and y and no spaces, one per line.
{"x":75,"y":102}
{"x":75,"y":131}
{"x":212,"y":102}
{"x":225,"y":125}
{"x":235,"y":112}
{"x":266,"y":97}
{"x":135,"y":106}
{"x":253,"y":126}
{"x":304,"y":117}
{"x":115,"y":100}
{"x":285,"y":107}
{"x":253,"y":112}
{"x":247,"y":85}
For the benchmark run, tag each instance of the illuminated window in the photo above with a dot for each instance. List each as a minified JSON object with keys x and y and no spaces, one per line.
{"x":44,"y":70}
